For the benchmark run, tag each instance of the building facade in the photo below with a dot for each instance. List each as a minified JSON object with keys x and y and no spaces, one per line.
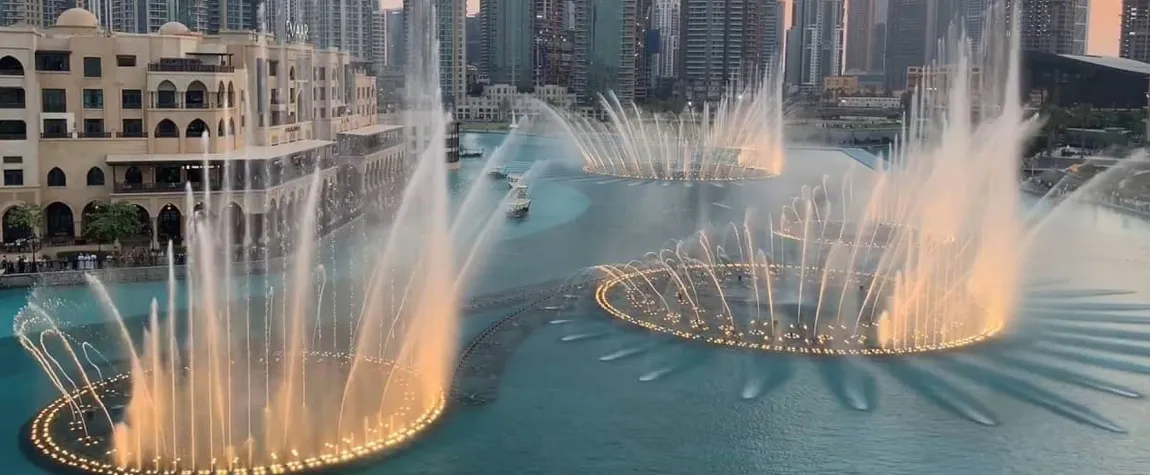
{"x":815,"y":42}
{"x":1135,"y":40}
{"x":861,"y":35}
{"x":501,"y":102}
{"x":450,"y":24}
{"x":1052,"y":26}
{"x":721,"y":45}
{"x":606,"y":49}
{"x":507,"y":38}
{"x":92,"y":117}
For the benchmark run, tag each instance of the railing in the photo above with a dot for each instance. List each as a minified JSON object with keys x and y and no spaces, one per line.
{"x":11,"y":72}
{"x":189,"y":68}
{"x":94,"y":135}
{"x":165,"y":187}
{"x":55,"y":135}
{"x":132,"y":135}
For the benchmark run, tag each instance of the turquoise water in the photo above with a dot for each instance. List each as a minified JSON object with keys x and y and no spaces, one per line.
{"x":1058,"y":392}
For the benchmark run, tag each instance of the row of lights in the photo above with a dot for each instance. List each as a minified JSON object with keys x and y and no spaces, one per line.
{"x":601,"y":297}
{"x":43,"y":440}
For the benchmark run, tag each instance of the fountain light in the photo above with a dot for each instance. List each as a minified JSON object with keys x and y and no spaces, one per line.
{"x":740,"y":138}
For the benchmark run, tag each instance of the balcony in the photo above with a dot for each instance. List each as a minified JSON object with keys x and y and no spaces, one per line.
{"x":167,"y":187}
{"x":56,"y":135}
{"x":184,"y":67}
{"x":94,"y":135}
{"x":156,"y":187}
{"x":132,"y":135}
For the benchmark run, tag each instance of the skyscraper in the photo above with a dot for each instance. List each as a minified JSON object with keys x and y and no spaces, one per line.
{"x":553,"y":44}
{"x":451,"y":31}
{"x":1135,"y":42}
{"x":395,"y":40}
{"x":861,"y":38}
{"x":1053,"y":26}
{"x":506,"y":32}
{"x":605,"y":48}
{"x":723,"y":42}
{"x":815,"y":42}
{"x":665,"y":20}
{"x":915,"y":29}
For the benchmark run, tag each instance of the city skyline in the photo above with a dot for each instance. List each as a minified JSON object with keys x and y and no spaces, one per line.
{"x":1105,"y":18}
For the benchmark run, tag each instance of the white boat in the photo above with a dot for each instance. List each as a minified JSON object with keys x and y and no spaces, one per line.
{"x":514,"y":180}
{"x":497,"y":172}
{"x":519,"y":203}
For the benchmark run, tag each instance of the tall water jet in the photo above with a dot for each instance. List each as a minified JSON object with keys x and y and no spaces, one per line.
{"x":741,"y":138}
{"x":301,"y":376}
{"x":922,"y":255}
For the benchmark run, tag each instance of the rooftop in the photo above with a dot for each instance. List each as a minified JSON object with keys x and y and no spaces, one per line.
{"x":373,"y":129}
{"x":246,"y":153}
{"x":1124,"y":64}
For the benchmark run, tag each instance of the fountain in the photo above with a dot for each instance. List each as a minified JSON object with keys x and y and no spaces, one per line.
{"x":741,"y":138}
{"x":306,"y":374}
{"x":923,"y":254}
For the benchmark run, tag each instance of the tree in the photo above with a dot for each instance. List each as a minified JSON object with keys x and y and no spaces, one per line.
{"x":29,"y":217}
{"x":109,"y":222}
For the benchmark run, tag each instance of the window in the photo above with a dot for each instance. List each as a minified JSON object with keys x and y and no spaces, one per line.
{"x":93,"y":98}
{"x":56,"y":177}
{"x":53,"y":100}
{"x":13,"y":160}
{"x":52,"y":61}
{"x":125,"y":61}
{"x":322,"y":74}
{"x":55,"y":128}
{"x":273,"y":66}
{"x":11,"y":98}
{"x":133,"y":128}
{"x":94,"y":128}
{"x":13,"y":177}
{"x":132,"y":99}
{"x":92,"y":67}
{"x":95,"y":177}
{"x":13,"y":130}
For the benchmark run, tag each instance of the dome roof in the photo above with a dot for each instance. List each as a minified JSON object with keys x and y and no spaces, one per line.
{"x":173,"y":28}
{"x":77,"y":18}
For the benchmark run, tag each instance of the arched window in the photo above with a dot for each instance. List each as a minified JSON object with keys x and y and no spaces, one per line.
{"x":95,"y":176}
{"x":10,"y":66}
{"x":58,"y":217}
{"x":231,"y":95}
{"x":166,"y":95}
{"x":231,"y":126}
{"x":196,"y":96}
{"x":221,"y":95}
{"x":220,"y":131}
{"x":167,"y":128}
{"x":196,"y":128}
{"x":133,"y":176}
{"x":56,"y":177}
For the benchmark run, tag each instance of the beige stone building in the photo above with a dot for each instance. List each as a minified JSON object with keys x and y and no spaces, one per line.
{"x":89,"y":117}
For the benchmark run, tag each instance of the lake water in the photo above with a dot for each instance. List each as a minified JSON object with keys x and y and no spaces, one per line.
{"x":1056,"y":397}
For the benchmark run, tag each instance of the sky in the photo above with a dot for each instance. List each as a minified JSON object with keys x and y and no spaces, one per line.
{"x":1105,"y":18}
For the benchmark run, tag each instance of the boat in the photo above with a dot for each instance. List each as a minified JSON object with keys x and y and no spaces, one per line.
{"x":514,"y":123}
{"x":469,"y":153}
{"x":519,"y":203}
{"x":497,"y":172}
{"x":513,"y":180}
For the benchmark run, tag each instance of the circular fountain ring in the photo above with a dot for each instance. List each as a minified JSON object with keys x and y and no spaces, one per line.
{"x":50,"y":438}
{"x":632,"y":315}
